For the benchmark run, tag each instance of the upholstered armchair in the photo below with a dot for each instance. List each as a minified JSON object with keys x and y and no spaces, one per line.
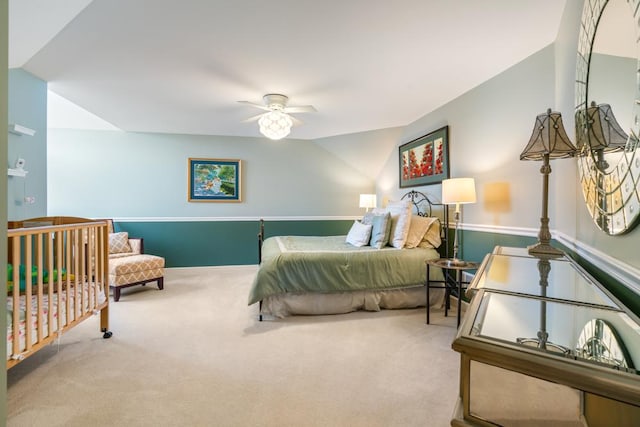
{"x":129,"y":265}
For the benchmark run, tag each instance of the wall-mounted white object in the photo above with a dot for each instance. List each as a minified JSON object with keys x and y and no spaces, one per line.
{"x":19,"y":169}
{"x":21,"y":130}
{"x":17,"y":172}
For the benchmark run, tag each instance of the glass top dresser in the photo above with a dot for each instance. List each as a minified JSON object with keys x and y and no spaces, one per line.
{"x":544,"y":343}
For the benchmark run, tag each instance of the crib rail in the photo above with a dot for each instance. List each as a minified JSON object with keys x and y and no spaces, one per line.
{"x":58,"y":275}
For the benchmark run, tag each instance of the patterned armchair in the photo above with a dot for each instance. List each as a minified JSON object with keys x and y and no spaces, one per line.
{"x":129,"y":265}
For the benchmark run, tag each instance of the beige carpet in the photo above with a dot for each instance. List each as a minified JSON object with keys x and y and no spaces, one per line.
{"x":195,"y":354}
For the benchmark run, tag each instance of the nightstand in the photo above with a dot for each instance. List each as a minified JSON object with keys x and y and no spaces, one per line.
{"x":452,"y":271}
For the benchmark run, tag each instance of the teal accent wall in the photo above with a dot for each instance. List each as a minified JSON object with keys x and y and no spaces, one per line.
{"x":218,"y":243}
{"x":626,"y":296}
{"x":477,"y":244}
{"x":307,"y":228}
{"x":27,"y":107}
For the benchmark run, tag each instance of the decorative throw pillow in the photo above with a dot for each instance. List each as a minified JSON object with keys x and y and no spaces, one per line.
{"x":380,"y":228}
{"x":359,"y":234}
{"x":400,"y":222}
{"x":119,"y":242}
{"x":432,"y":238}
{"x":417,"y":229}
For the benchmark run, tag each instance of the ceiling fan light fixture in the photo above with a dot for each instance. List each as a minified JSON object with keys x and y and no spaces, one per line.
{"x":275,"y":124}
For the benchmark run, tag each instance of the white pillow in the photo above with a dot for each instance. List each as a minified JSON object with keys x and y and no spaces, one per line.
{"x":400,"y":222}
{"x":417,"y":229}
{"x":359,"y":234}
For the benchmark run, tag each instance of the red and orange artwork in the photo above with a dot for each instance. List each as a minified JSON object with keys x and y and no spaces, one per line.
{"x":424,"y":160}
{"x":439,"y":156}
{"x":418,"y":162}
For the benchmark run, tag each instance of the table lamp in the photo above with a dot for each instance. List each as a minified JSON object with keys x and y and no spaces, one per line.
{"x":548,"y":141}
{"x":367,"y":201}
{"x":458,"y":191}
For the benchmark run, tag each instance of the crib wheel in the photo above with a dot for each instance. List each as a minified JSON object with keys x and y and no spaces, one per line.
{"x":107,"y":334}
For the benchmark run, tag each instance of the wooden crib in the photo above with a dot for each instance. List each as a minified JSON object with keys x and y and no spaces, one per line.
{"x":57,"y":276}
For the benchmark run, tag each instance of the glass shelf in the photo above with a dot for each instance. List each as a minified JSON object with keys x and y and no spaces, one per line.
{"x":518,"y":274}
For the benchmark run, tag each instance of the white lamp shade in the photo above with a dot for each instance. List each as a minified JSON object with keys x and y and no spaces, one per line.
{"x":458,"y":191}
{"x":368,"y":201}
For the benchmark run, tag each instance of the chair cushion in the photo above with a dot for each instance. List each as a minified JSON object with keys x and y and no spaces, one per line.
{"x":134,"y":268}
{"x":140,"y":276}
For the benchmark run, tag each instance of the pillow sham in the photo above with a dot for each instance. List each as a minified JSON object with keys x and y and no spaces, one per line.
{"x":359,"y":234}
{"x":380,"y":228}
{"x":432,"y":238}
{"x":417,"y":229}
{"x":119,"y":242}
{"x":400,"y":222}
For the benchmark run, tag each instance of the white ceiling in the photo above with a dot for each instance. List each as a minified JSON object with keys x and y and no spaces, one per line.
{"x":181,"y":66}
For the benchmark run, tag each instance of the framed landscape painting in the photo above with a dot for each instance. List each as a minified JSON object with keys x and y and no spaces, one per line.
{"x":425,"y":160}
{"x":215,"y":180}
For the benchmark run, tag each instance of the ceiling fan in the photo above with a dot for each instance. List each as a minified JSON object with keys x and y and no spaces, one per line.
{"x":276,"y":122}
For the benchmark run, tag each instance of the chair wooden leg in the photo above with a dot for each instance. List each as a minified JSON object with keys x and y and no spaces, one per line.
{"x":116,"y":294}
{"x":161,"y":283}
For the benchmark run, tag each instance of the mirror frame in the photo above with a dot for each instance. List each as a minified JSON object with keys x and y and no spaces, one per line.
{"x":613,"y":196}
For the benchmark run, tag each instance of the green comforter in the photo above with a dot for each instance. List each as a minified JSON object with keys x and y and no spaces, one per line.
{"x":313,"y":264}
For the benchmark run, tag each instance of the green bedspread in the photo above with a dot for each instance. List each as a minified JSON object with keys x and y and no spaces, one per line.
{"x":303,"y":264}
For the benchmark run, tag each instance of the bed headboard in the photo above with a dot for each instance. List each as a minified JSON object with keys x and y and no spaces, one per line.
{"x":422,"y":204}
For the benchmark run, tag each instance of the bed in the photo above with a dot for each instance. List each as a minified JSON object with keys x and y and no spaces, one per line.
{"x":57,"y":276}
{"x":312,"y":275}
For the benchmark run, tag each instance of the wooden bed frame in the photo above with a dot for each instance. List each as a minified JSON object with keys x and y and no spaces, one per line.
{"x":422,"y":206}
{"x":59,"y":278}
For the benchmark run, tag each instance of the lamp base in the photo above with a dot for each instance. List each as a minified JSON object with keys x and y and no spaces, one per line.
{"x":544,"y":250}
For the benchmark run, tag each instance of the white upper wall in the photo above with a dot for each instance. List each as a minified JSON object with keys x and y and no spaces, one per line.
{"x":64,"y":114}
{"x":488,"y":128}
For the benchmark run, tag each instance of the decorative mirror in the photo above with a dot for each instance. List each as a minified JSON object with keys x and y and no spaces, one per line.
{"x":599,"y":342}
{"x":608,"y":113}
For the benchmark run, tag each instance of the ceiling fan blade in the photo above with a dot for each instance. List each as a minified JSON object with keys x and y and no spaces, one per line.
{"x":253,"y":118}
{"x":262,"y":107}
{"x":296,"y":122}
{"x":300,"y":109}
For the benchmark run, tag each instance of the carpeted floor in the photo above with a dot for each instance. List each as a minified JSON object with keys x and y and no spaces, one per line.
{"x":195,"y":354}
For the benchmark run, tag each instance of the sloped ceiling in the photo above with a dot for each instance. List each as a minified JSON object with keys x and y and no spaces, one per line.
{"x":181,"y":66}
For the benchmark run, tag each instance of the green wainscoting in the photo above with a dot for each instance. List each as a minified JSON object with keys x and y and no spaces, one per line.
{"x":477,"y":244}
{"x":627,"y":296}
{"x":216,"y":243}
